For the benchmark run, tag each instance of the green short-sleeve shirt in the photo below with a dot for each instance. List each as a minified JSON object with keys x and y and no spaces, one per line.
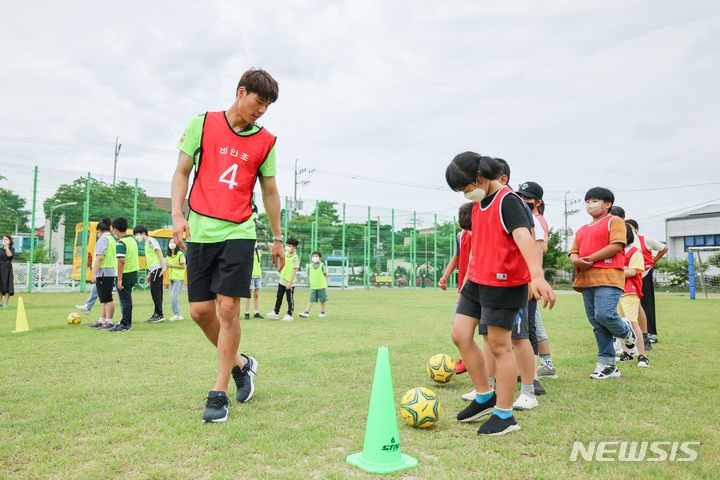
{"x":210,"y":230}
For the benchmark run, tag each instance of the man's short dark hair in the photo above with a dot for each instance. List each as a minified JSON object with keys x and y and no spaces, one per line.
{"x":140,"y":229}
{"x":293,"y":241}
{"x":465,"y":216}
{"x":600,"y":193}
{"x":260,"y":82}
{"x":120,"y":224}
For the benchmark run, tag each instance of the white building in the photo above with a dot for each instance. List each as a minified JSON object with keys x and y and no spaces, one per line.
{"x":698,"y":228}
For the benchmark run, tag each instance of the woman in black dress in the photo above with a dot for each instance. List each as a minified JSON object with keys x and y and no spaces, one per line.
{"x":7,"y":280}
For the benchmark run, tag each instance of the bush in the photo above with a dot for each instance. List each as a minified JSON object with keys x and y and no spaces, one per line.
{"x":564,"y":281}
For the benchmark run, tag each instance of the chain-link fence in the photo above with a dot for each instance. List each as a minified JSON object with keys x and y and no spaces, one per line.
{"x":51,"y":215}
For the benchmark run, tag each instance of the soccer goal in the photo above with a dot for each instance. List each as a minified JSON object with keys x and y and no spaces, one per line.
{"x":698,"y":252}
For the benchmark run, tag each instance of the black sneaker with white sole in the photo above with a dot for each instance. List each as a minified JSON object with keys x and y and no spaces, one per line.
{"x":643,"y":361}
{"x":245,"y":379}
{"x":476,"y":410}
{"x":157,"y":319}
{"x":539,"y":390}
{"x":625,"y":357}
{"x":603,"y":372}
{"x":498,"y":426}
{"x":247,"y":316}
{"x":216,"y":408}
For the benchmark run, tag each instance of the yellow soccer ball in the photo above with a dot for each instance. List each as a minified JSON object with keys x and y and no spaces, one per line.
{"x":74,"y":318}
{"x":441,"y":368}
{"x":420,"y":407}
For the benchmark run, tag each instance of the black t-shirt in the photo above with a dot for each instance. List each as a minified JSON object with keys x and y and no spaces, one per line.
{"x":515,"y":215}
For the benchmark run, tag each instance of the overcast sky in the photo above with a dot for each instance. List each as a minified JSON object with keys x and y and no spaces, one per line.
{"x":622,"y":94}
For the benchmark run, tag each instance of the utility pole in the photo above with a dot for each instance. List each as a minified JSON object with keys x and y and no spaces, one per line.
{"x":567,"y":232}
{"x":117,"y":152}
{"x":300,"y":182}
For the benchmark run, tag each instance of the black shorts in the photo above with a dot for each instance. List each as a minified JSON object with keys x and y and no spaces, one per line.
{"x":223,"y":268}
{"x":520,"y":325}
{"x":497,"y":317}
{"x":104,"y":286}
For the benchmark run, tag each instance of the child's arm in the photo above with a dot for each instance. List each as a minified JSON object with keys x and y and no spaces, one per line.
{"x":605,"y":252}
{"x":96,"y":266}
{"x":163,"y":263}
{"x":630,"y":272}
{"x":448,"y":271}
{"x":580,"y":263}
{"x":539,"y":288}
{"x":292,"y":278}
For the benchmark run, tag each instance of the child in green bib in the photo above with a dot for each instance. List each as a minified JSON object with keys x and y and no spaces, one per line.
{"x":318,"y":285}
{"x":285,"y":283}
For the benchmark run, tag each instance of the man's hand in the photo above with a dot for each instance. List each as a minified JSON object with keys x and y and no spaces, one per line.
{"x":443,"y":283}
{"x":119,"y":285}
{"x":163,"y":272}
{"x":289,"y":286}
{"x":278,"y":255}
{"x":148,"y":279}
{"x":180,"y":226}
{"x":94,"y":278}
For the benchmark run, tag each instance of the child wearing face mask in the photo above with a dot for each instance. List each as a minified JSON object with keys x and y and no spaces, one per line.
{"x":255,"y":284}
{"x":597,"y":252}
{"x":176,"y":273}
{"x":318,"y":285}
{"x":503,"y":269}
{"x":156,"y":268}
{"x":285,"y":284}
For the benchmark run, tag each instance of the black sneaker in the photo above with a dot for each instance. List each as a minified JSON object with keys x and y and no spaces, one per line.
{"x":106,"y":326}
{"x":120,"y":328}
{"x":149,"y":320}
{"x":653,"y":338}
{"x":643,"y":361}
{"x":257,"y":315}
{"x":539,"y":390}
{"x":476,"y":410}
{"x":96,"y":324}
{"x":648,"y":344}
{"x":157,"y":319}
{"x":625,"y":357}
{"x":216,"y":408}
{"x":247,"y":316}
{"x":498,"y":426}
{"x":244,"y":379}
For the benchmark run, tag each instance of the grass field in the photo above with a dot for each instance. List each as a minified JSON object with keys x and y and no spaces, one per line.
{"x":77,"y":403}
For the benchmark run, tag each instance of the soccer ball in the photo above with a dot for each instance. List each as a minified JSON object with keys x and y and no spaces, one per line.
{"x":441,"y":368}
{"x":74,"y":318}
{"x":420,"y":407}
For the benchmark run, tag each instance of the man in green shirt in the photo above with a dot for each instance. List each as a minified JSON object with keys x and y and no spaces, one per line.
{"x":228,"y":151}
{"x":128,"y":266}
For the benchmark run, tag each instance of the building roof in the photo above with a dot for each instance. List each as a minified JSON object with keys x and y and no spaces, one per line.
{"x":706,"y":211}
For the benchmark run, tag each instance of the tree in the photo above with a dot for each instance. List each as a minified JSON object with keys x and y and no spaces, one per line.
{"x":105,"y":200}
{"x":12,"y":212}
{"x":678,"y":271}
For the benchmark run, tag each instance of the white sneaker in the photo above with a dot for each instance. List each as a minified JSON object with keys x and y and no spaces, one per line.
{"x":631,"y":339}
{"x":618,"y":347}
{"x":304,"y":314}
{"x":322,"y":314}
{"x":470,"y":396}
{"x":634,"y":351}
{"x":603,"y":372}
{"x":83,"y":309}
{"x":287,"y":318}
{"x":543,"y":371}
{"x":524,"y":402}
{"x":272,"y":315}
{"x":176,"y":317}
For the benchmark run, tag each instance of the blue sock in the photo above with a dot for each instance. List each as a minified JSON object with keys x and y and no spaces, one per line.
{"x":484,"y":397}
{"x":502,"y":413}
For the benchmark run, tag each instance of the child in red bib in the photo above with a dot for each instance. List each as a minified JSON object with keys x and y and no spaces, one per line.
{"x":597,"y":252}
{"x":503,"y":267}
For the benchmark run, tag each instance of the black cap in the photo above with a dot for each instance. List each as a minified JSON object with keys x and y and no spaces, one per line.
{"x":530,"y":190}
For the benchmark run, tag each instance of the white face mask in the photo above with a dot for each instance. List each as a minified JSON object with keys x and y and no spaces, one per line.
{"x":316,"y":259}
{"x":477,"y":195}
{"x":138,"y":238}
{"x":593,"y":207}
{"x":289,"y":249}
{"x":172,"y":246}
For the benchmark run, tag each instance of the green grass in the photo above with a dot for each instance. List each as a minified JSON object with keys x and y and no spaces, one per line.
{"x":77,"y":403}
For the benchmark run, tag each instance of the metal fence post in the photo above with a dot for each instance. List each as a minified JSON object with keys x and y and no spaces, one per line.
{"x":435,"y":264}
{"x":342,"y":257}
{"x":86,"y":234}
{"x":392,"y":250}
{"x":32,"y":234}
{"x":135,"y":203}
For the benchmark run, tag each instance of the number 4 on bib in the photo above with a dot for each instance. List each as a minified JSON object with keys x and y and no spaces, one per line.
{"x":231,"y":182}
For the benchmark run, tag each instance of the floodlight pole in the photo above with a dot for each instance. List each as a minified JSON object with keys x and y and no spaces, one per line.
{"x":117,"y":152}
